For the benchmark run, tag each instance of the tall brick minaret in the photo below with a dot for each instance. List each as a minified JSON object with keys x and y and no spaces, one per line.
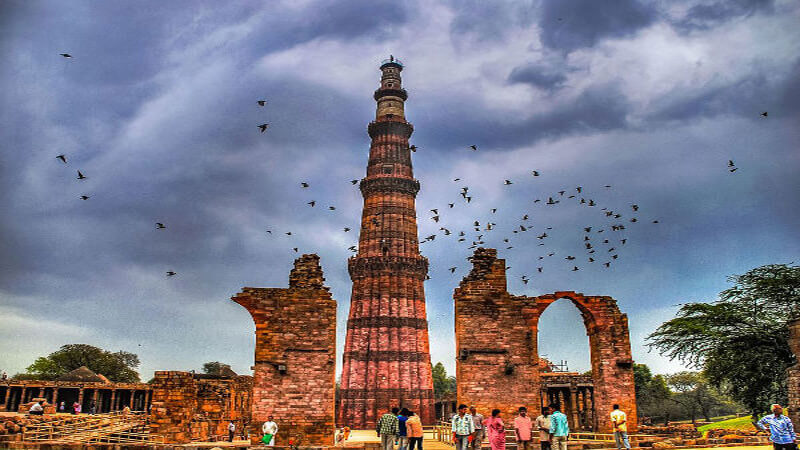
{"x":387,"y":358}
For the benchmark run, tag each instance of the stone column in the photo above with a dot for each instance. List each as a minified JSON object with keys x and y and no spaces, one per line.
{"x":80,"y":398}
{"x":22,"y":397}
{"x":573,"y":401}
{"x":793,"y":373}
{"x":111,"y":405}
{"x":130,"y":400}
{"x":95,"y":396}
{"x":5,"y":397}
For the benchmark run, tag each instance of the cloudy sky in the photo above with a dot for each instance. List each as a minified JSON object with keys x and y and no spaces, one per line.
{"x":157,"y":107}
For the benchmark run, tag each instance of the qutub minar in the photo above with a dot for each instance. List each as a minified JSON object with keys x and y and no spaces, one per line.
{"x":386,"y":355}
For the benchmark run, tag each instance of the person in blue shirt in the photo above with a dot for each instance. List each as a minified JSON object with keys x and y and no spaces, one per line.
{"x":402,"y":435}
{"x":559,"y":428}
{"x":781,"y":430}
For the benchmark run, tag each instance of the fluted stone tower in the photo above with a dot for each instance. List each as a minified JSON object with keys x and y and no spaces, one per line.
{"x":386,"y":356}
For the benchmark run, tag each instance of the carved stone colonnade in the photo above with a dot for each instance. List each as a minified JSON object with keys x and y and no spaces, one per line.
{"x":106,"y":397}
{"x":497,"y":347}
{"x":576,"y":395}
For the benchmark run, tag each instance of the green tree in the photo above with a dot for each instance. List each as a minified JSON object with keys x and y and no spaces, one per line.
{"x":116,"y":366}
{"x":216,"y":368}
{"x":651,"y":393}
{"x":697,"y":396}
{"x":442,"y":384}
{"x":741,"y":340}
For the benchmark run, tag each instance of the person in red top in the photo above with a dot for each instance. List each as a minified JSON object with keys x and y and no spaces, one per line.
{"x":522,"y":428}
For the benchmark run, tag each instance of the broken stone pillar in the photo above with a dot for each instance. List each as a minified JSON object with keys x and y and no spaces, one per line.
{"x":173,"y":406}
{"x":295,"y":357}
{"x":793,"y":373}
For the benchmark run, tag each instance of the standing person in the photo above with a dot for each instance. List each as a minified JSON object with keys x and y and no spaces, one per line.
{"x":543,"y":425}
{"x":480,"y":431}
{"x":522,"y":429}
{"x":92,"y":408}
{"x":388,"y":426}
{"x":462,"y":427}
{"x":402,"y":434}
{"x":496,"y":431}
{"x":559,"y":428}
{"x":414,"y":427}
{"x":231,"y":430}
{"x":76,"y":408}
{"x":346,"y":431}
{"x":781,"y":430}
{"x":61,"y":407}
{"x":619,"y":421}
{"x":270,"y":429}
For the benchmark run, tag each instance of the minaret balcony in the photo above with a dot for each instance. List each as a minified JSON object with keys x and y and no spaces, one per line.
{"x":381,"y":92}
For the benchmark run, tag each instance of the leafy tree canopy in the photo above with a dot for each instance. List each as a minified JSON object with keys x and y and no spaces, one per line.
{"x":116,"y":366}
{"x":442,"y":384}
{"x":216,"y":368}
{"x":740,"y":341}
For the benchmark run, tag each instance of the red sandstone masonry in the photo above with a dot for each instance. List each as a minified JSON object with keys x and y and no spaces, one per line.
{"x":295,"y":359}
{"x":497,"y":348}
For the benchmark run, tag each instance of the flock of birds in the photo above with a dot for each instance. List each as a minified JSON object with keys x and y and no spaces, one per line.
{"x":601,"y":244}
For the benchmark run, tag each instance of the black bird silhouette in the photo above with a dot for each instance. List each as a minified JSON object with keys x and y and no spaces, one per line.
{"x":263,"y":127}
{"x":468,"y":199}
{"x":332,"y":208}
{"x":451,"y":204}
{"x":160,"y":226}
{"x":575,"y":268}
{"x":587,"y":229}
{"x":550,"y":201}
{"x":764,"y":114}
{"x":352,"y":248}
{"x":65,"y":55}
{"x":635,"y":207}
{"x":81,"y":176}
{"x":473,"y":147}
{"x":435,"y":210}
{"x":84,"y":197}
{"x":269,"y":231}
{"x":261,"y":102}
{"x":525,"y":217}
{"x":539,"y":269}
{"x":304,"y":184}
{"x":312,"y":203}
{"x":734,"y":169}
{"x":456,"y":179}
{"x":62,"y":158}
{"x":346,"y":229}
{"x":413,"y":148}
{"x":561,"y":192}
{"x":288,"y":233}
{"x":579,"y":189}
{"x":525,"y":281}
{"x":507,"y":182}
{"x":623,"y":241}
{"x":171,"y":273}
{"x":607,"y":264}
{"x":435,"y":218}
{"x":452,"y":270}
{"x":614,"y":256}
{"x":354,"y":182}
{"x":295,"y":249}
{"x":591,"y":202}
{"x":591,"y":260}
{"x":535,"y":173}
{"x":655,"y":221}
{"x":570,"y":258}
{"x":494,"y":210}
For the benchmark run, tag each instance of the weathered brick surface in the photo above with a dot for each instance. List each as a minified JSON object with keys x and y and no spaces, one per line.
{"x":497,"y":347}
{"x":295,"y":356}
{"x":793,"y":374}
{"x":386,"y":358}
{"x":188,"y":407}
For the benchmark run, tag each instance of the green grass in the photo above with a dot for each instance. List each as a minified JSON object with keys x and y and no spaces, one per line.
{"x":738,"y":423}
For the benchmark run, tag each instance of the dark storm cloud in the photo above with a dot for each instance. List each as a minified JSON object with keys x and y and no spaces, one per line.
{"x":598,"y":108}
{"x":572,"y":24}
{"x":747,"y":97}
{"x":709,"y":15}
{"x":490,"y":21}
{"x":539,"y":76}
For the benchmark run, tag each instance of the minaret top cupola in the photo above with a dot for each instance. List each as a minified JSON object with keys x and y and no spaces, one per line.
{"x":391,"y":95}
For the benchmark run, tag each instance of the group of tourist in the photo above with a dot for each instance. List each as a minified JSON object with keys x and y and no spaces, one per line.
{"x":402,"y":427}
{"x":470,"y":429}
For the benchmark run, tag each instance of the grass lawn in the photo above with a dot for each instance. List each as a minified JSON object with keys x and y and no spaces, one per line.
{"x":738,"y":423}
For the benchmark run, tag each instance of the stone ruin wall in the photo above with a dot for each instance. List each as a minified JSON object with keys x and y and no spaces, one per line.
{"x":497,"y":349}
{"x":295,"y":356}
{"x":793,"y":373}
{"x":188,"y":407}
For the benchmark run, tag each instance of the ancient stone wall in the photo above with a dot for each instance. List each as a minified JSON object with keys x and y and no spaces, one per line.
{"x":497,"y":347}
{"x":295,"y":356}
{"x":188,"y":407}
{"x":793,"y":374}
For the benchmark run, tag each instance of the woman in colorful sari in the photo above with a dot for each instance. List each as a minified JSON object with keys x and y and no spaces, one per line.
{"x":496,"y":431}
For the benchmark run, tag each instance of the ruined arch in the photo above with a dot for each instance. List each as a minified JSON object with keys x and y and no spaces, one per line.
{"x":497,"y":349}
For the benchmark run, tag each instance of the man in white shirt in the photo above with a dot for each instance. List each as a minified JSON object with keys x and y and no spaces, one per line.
{"x":619,"y":421}
{"x":231,"y":430}
{"x":271,"y":428}
{"x":36,"y":409}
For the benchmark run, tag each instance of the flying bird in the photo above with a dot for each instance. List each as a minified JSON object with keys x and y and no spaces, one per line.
{"x":332,"y":208}
{"x":81,"y":176}
{"x":570,"y":258}
{"x":435,"y":218}
{"x":535,"y":173}
{"x":263,"y":127}
{"x":473,"y":147}
{"x":295,"y":249}
{"x":413,"y":148}
{"x":435,"y":210}
{"x":635,"y":207}
{"x":507,"y":182}
{"x":261,"y":102}
{"x":304,"y":184}
{"x":354,"y":182}
{"x":451,"y":204}
{"x":764,"y":114}
{"x":452,"y":270}
{"x":312,"y":203}
{"x":84,"y":197}
{"x":171,"y":273}
{"x":63,"y":158}
{"x":346,"y":229}
{"x":494,"y":210}
{"x":160,"y":226}
{"x":67,"y":55}
{"x":575,"y":268}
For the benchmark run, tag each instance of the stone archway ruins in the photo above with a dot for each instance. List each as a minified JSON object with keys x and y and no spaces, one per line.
{"x":497,"y":350}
